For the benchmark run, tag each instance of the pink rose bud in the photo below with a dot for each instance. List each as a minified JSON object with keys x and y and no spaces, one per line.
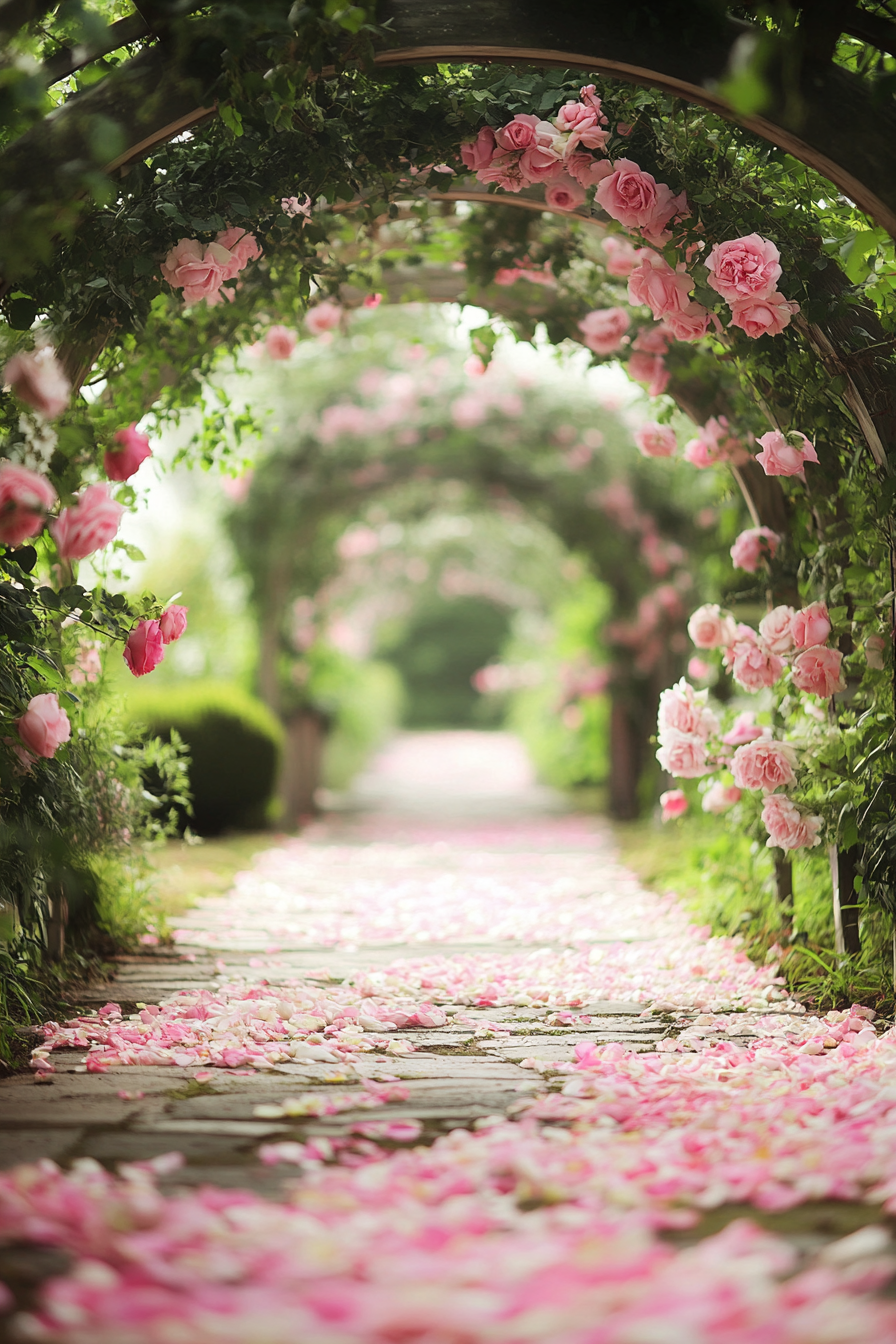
{"x":788,"y":827}
{"x":752,"y":547}
{"x":279,"y":342}
{"x":785,"y":455}
{"x":811,"y":626}
{"x":817,"y":671}
{"x":145,"y":648}
{"x":24,"y":500}
{"x":674,"y":804}
{"x":121,"y":463}
{"x":172,"y":623}
{"x":37,"y":378}
{"x":764,"y":765}
{"x":653,"y":440}
{"x":87,"y":526}
{"x":44,"y":726}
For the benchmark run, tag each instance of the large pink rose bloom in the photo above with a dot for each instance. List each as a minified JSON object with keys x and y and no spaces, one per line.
{"x":122,"y":462}
{"x":519,"y":134}
{"x":478,"y":154}
{"x":788,"y":827}
{"x":144,"y":648}
{"x":37,"y":378}
{"x":817,"y":671}
{"x":744,"y":268}
{"x":711,"y":628}
{"x":811,"y":626}
{"x":87,"y":526}
{"x":781,"y":457}
{"x":683,"y":755}
{"x":684,"y":710}
{"x":753,"y":667}
{"x":673,"y":804}
{"x":197,"y":269}
{"x":637,"y":200}
{"x":324,"y":316}
{"x":763,"y":317}
{"x":654,"y":283}
{"x":655,"y":440}
{"x":172,"y":623}
{"x":753,"y":546}
{"x":764,"y":765}
{"x":649,"y":369}
{"x":603,"y":329}
{"x":243,"y":248}
{"x":44,"y":726}
{"x":775,"y":630}
{"x":25,"y":498}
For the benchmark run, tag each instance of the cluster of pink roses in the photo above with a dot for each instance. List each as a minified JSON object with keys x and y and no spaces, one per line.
{"x":202,"y":269}
{"x":757,"y":660}
{"x":745,"y":271}
{"x":145,"y":646}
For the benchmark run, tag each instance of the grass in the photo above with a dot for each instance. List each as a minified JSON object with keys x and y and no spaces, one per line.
{"x":187,"y":871}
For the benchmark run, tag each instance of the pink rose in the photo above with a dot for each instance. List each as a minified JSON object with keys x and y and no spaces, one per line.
{"x":673,"y":804}
{"x":279,"y":342}
{"x":121,"y":463}
{"x":603,"y":329}
{"x":581,"y":123}
{"x":649,"y":369}
{"x":196,"y":269}
{"x":684,"y":710}
{"x":651,"y":340}
{"x":775,"y":630}
{"x":753,"y":547}
{"x":44,"y":726}
{"x":586,"y":170}
{"x":782,"y":456}
{"x":753,"y":667}
{"x":691,"y":323}
{"x":698,"y":670}
{"x":24,"y":500}
{"x":144,"y":648}
{"x":788,"y":827}
{"x":720,"y":797}
{"x":519,"y":134}
{"x":564,"y":194}
{"x":324,"y":316}
{"x":37,"y":378}
{"x":654,"y":283}
{"x":477,"y":154}
{"x":505,"y":172}
{"x":541,"y":163}
{"x":765,"y":765}
{"x":588,"y":96}
{"x":811,"y":626}
{"x":172,"y":623}
{"x":243,"y":248}
{"x":637,"y":200}
{"x":712,"y":445}
{"x":372,"y":300}
{"x":711,"y":628}
{"x":683,"y":755}
{"x":744,"y":268}
{"x":88,"y":525}
{"x":655,"y":440}
{"x":622,"y":258}
{"x":817,"y":671}
{"x":744,"y":729}
{"x":763,"y":317}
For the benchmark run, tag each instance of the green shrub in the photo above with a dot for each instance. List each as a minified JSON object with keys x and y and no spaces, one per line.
{"x":234,"y":744}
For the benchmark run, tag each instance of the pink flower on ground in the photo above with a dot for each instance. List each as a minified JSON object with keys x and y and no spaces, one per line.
{"x":279,"y":342}
{"x":37,"y":378}
{"x":44,"y":726}
{"x":711,"y":628}
{"x":720,"y":797}
{"x":603,"y":329}
{"x":121,"y":463}
{"x":763,"y":317}
{"x":144,"y":648}
{"x":655,"y":284}
{"x":817,"y":671}
{"x":637,"y":200}
{"x":811,"y":626}
{"x":754,"y":546}
{"x":622,"y":258}
{"x":173,"y":623}
{"x":775,"y":629}
{"x":744,"y":729}
{"x":564,"y":194}
{"x":324,"y":316}
{"x":684,"y":710}
{"x":655,"y":440}
{"x":764,"y":765}
{"x":198,"y":270}
{"x":781,"y":456}
{"x":88,"y":525}
{"x":243,"y":248}
{"x":788,"y":827}
{"x":649,"y":369}
{"x":753,"y":667}
{"x":744,"y":268}
{"x":25,"y":498}
{"x":674,"y":804}
{"x":477,"y":154}
{"x":683,"y":755}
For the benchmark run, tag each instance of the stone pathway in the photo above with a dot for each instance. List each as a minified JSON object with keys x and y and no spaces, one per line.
{"x":451,"y":985}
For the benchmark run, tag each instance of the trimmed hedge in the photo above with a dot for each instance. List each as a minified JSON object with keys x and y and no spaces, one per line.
{"x":234,"y":743}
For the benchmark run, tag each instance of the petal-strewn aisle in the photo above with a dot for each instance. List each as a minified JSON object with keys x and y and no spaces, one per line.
{"x":441,"y":1072}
